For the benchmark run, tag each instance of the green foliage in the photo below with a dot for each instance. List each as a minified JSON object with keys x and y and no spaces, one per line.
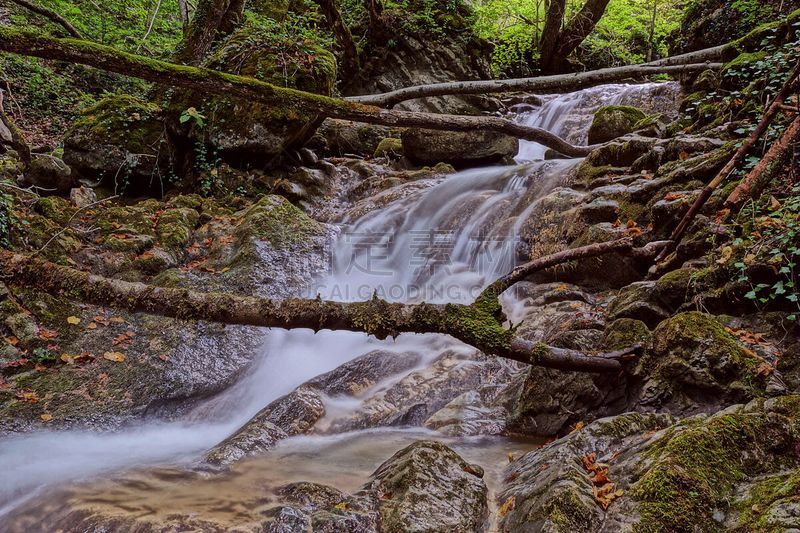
{"x":429,"y":18}
{"x":772,"y":238}
{"x":6,"y":219}
{"x":622,"y":36}
{"x":119,"y":23}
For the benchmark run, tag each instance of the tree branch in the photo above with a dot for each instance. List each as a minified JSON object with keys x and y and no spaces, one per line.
{"x":752,"y":184}
{"x":51,"y":15}
{"x":621,"y":246}
{"x":216,"y":82}
{"x":558,"y":83}
{"x":477,"y":325}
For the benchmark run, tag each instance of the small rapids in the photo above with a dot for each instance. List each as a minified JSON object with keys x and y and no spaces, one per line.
{"x":439,"y":244}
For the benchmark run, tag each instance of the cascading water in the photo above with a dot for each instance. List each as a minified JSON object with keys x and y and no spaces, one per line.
{"x":438,"y":244}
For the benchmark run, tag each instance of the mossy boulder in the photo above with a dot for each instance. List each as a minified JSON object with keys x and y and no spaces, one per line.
{"x":614,"y":121}
{"x":121,"y":142}
{"x":273,"y":218}
{"x":694,"y":363}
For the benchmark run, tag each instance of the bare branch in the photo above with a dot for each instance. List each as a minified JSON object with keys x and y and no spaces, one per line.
{"x":51,"y":15}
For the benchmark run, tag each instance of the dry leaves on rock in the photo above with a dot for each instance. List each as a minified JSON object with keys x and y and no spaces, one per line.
{"x":507,"y":506}
{"x":605,"y":491}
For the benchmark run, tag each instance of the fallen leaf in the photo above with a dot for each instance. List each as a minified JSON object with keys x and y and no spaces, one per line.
{"x":27,"y":396}
{"x":46,"y":417}
{"x":510,"y":457}
{"x":12,"y":340}
{"x":73,"y":320}
{"x":46,"y":334}
{"x":507,"y":506}
{"x":117,"y":357}
{"x":163,"y":357}
{"x":92,"y":325}
{"x":774,"y":203}
{"x":725,"y":255}
{"x":117,"y":320}
{"x":579,"y":426}
{"x":683,"y":156}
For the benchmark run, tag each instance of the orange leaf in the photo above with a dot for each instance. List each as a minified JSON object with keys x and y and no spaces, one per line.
{"x":46,"y":417}
{"x":507,"y":506}
{"x":28,"y":396}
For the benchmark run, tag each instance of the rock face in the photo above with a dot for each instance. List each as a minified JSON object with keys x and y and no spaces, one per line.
{"x":417,"y":60}
{"x":671,"y":476}
{"x":460,"y":149}
{"x":49,"y":173}
{"x":614,"y":121}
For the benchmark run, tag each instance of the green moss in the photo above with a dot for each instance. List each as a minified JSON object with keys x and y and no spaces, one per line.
{"x":175,"y":227}
{"x":771,"y":490}
{"x":613,"y":121}
{"x":624,"y":333}
{"x":567,"y":512}
{"x":742,"y":60}
{"x":56,"y":209}
{"x":482,"y":321}
{"x":693,"y":470}
{"x":121,"y":120}
{"x":275,"y":219}
{"x":389,"y":147}
{"x":587,"y":172}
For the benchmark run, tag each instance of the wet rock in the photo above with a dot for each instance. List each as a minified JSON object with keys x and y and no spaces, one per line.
{"x":312,"y":495}
{"x":472,"y":413}
{"x":290,"y":415}
{"x":49,"y":173}
{"x":82,"y":197}
{"x":418,"y":395}
{"x":622,"y":152}
{"x":357,"y":376}
{"x":428,"y":487}
{"x":599,"y":210}
{"x":473,"y":148}
{"x":614,"y":121}
{"x":340,"y":137}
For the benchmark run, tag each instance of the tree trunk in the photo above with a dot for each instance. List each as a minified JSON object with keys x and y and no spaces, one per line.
{"x":552,"y":28}
{"x":377,"y":24}
{"x":772,"y":162}
{"x":576,"y":31}
{"x":215,"y":82}
{"x":51,"y":15}
{"x":17,"y":141}
{"x":350,"y":63}
{"x":202,"y":31}
{"x":479,"y":324}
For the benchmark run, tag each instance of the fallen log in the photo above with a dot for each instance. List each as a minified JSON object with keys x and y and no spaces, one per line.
{"x":559,"y":83}
{"x":216,"y":82}
{"x":752,"y":184}
{"x":478,"y":324}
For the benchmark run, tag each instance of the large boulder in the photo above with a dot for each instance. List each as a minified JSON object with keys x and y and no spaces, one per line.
{"x":733,"y":471}
{"x":614,"y":121}
{"x":119,"y":141}
{"x":460,"y":149}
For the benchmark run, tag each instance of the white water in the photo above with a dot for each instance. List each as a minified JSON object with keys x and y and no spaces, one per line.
{"x":443,"y":244}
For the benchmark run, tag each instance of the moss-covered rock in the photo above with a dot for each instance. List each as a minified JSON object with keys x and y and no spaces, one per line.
{"x":693,"y":362}
{"x":120,"y":141}
{"x":274,"y":219}
{"x":614,"y":121}
{"x":243,"y":133}
{"x":389,"y":147}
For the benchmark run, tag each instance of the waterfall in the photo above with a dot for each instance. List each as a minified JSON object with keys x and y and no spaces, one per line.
{"x":443,"y":243}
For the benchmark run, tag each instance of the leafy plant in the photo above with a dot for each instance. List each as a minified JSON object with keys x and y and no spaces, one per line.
{"x":194,"y":115}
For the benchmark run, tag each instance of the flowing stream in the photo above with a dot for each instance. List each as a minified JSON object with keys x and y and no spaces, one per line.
{"x":443,"y":243}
